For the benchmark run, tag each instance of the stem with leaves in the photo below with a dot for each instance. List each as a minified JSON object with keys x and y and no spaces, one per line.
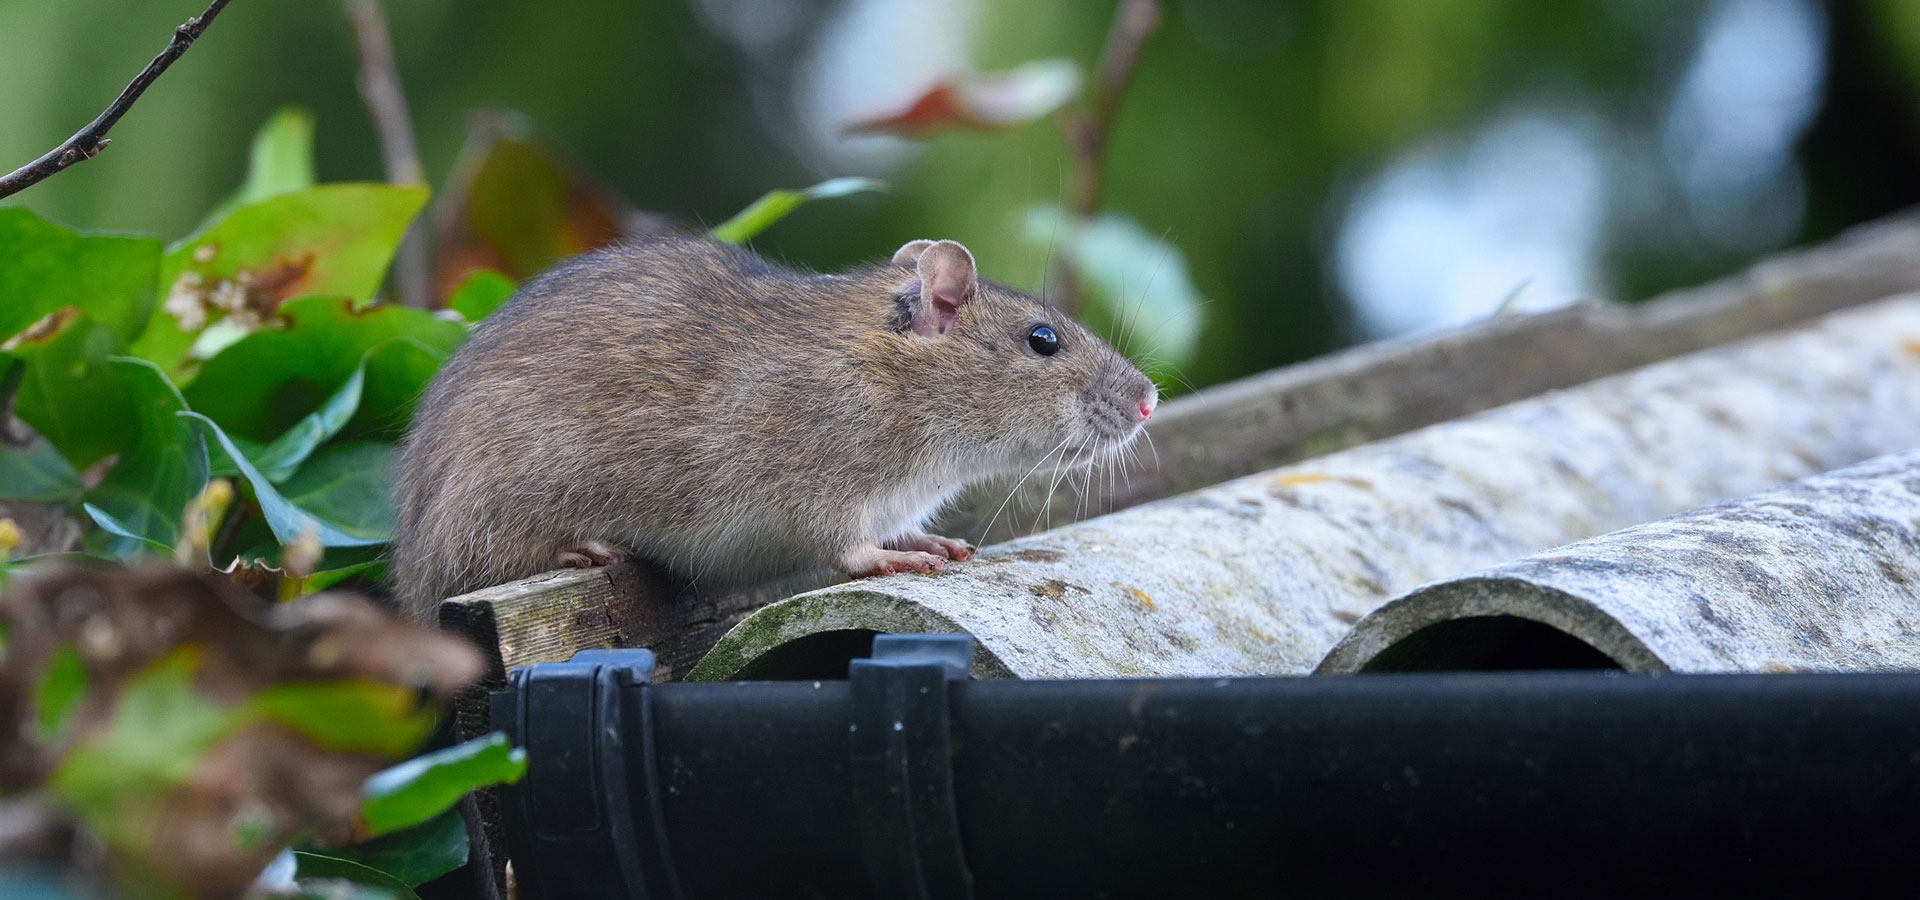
{"x":1086,"y":131}
{"x":379,"y":84}
{"x":89,"y":141}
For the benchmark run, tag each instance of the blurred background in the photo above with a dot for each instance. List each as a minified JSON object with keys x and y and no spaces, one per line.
{"x":1332,"y":171}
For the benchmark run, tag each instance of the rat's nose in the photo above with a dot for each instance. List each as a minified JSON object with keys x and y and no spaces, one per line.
{"x":1147,"y":402}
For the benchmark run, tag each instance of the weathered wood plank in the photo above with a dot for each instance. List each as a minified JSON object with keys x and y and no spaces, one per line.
{"x":1262,"y":575}
{"x":1820,"y":575}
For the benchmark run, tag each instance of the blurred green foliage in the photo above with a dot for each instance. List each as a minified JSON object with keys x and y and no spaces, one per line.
{"x":1245,"y":132}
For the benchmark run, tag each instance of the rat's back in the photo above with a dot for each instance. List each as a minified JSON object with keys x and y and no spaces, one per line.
{"x":620,"y":374}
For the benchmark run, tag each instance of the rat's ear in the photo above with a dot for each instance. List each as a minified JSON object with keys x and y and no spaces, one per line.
{"x":909,"y":253}
{"x":947,"y":282}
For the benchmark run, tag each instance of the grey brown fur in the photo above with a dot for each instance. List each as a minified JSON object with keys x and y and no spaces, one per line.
{"x":693,"y":404}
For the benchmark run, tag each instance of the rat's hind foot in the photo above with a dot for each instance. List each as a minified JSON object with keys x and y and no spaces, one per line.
{"x":588,"y":553}
{"x":867,"y":561}
{"x":957,"y":550}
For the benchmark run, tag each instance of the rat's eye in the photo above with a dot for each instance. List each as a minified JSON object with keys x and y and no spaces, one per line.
{"x":1043,"y":340}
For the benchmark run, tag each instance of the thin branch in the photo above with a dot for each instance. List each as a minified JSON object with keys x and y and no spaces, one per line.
{"x":1086,"y":133}
{"x":89,"y":141}
{"x":1135,"y":20}
{"x":379,"y":83}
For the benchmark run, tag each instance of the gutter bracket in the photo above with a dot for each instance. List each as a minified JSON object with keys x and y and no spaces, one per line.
{"x":900,"y":748}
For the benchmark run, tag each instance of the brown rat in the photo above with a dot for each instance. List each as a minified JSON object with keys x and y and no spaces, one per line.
{"x":691,"y":403}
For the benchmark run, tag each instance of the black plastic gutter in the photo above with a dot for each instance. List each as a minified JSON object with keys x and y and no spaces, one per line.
{"x":909,"y":781}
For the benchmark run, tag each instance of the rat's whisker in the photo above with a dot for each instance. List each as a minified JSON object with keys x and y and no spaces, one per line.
{"x":1046,"y":505}
{"x":1140,"y":307}
{"x":1151,"y":448}
{"x":1054,"y":485}
{"x":984,"y":532}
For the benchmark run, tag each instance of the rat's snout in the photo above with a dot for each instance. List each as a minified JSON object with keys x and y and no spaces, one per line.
{"x":1147,"y":402}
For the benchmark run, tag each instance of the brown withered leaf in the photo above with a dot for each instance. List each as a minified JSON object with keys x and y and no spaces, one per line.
{"x":192,"y":729}
{"x":515,"y":205}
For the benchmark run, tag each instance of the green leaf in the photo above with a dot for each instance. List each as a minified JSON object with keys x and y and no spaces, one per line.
{"x":373,"y":569}
{"x":37,"y":473}
{"x":480,"y":294}
{"x":120,"y":550}
{"x":166,"y":467}
{"x":421,"y":788}
{"x":1137,"y":290}
{"x":335,"y":239}
{"x":45,"y":268}
{"x":775,"y":205}
{"x":319,"y":866}
{"x":61,"y":683}
{"x":261,"y":386}
{"x":346,"y":485}
{"x":348,"y":716}
{"x":72,"y":395}
{"x":281,"y":161}
{"x":397,"y":376}
{"x":415,"y":855}
{"x":279,"y":459}
{"x":287,"y":520}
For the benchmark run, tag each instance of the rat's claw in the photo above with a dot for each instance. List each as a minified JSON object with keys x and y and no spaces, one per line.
{"x":944,"y":547}
{"x":871,"y":561}
{"x":587,"y":554}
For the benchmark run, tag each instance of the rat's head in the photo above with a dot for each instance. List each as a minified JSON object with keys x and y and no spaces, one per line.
{"x":1015,"y":379}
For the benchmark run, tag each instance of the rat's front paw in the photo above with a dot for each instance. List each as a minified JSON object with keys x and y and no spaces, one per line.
{"x":948,"y":548}
{"x":870,"y":561}
{"x":586,"y":554}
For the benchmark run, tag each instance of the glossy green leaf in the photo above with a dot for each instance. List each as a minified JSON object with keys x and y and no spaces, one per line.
{"x":45,"y":268}
{"x":775,"y":205}
{"x":426,"y":786}
{"x":261,"y":386}
{"x":347,"y":485}
{"x":348,"y":716}
{"x":37,"y":473}
{"x":397,"y":377}
{"x":72,"y":394}
{"x":335,"y":239}
{"x":1136,"y":287}
{"x":480,"y":294}
{"x":415,"y":855}
{"x":314,"y":866}
{"x":281,"y":161}
{"x":287,"y":520}
{"x":281,"y":458}
{"x":115,"y":536}
{"x":166,"y":466}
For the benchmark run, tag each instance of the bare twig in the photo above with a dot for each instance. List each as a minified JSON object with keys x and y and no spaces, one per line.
{"x":1086,"y":132}
{"x":1135,"y":20}
{"x":379,"y":83}
{"x":89,"y":141}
